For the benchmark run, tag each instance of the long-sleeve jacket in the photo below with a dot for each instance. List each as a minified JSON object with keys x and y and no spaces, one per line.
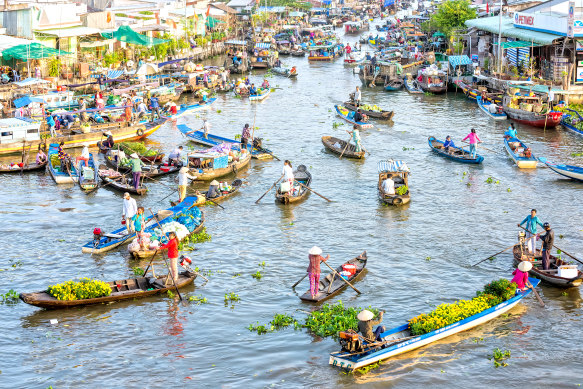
{"x":548,"y":240}
{"x":531,"y":223}
{"x":365,"y":327}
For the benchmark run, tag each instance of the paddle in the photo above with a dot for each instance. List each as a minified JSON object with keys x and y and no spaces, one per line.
{"x":536,"y":295}
{"x":492,"y":256}
{"x":271,"y":187}
{"x":311,"y":190}
{"x":485,"y":148}
{"x":349,"y":284}
{"x":562,"y":251}
{"x":300,"y":280}
{"x":171,"y":193}
{"x":345,"y":147}
{"x":149,"y":264}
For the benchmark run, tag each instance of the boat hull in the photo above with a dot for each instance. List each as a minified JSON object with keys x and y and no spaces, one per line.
{"x":484,"y":108}
{"x":572,"y":172}
{"x":207,"y":175}
{"x":344,"y":150}
{"x":454,"y":157}
{"x":548,"y":277}
{"x":360,"y":125}
{"x":521,"y":162}
{"x":571,"y":127}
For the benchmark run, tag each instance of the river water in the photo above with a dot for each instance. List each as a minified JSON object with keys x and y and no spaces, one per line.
{"x":419,"y":255}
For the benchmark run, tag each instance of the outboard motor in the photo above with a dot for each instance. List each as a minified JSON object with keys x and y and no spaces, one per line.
{"x":257,"y":143}
{"x":350,"y":342}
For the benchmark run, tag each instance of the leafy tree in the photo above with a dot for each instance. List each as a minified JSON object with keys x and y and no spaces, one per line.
{"x":452,"y":14}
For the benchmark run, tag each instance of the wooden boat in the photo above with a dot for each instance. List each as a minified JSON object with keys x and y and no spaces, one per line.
{"x":393,"y":85}
{"x":337,"y":145}
{"x":287,"y":72}
{"x":258,"y":152}
{"x":516,"y":107}
{"x":131,"y":288}
{"x":399,"y":173}
{"x":128,"y":150}
{"x":141,"y":254}
{"x":261,"y":94}
{"x":520,"y":153}
{"x":121,"y":131}
{"x":204,"y":170}
{"x":348,"y":115}
{"x":572,"y":123}
{"x":119,"y":236}
{"x":235,"y":186}
{"x":411,"y":86}
{"x":186,"y":109}
{"x":550,"y":276}
{"x":58,"y":175}
{"x":149,"y":172}
{"x":25,"y":168}
{"x":569,"y":171}
{"x":458,"y":154}
{"x":401,"y":341}
{"x":299,"y":52}
{"x":325,"y":52}
{"x":354,"y":58}
{"x":123,"y":183}
{"x":434,"y":81}
{"x":88,"y":176}
{"x":332,"y":284}
{"x":381,"y":115}
{"x":301,"y":175}
{"x":484,"y":105}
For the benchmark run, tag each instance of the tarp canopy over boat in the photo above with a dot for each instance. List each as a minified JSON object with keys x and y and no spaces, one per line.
{"x":23,"y":101}
{"x":126,"y":34}
{"x":31,"y":51}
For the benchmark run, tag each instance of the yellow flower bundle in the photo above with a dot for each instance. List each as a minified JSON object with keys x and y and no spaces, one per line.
{"x":86,"y":288}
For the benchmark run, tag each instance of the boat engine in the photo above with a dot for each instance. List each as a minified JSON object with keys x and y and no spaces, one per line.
{"x":185,"y":262}
{"x":257,"y":143}
{"x":350,"y":342}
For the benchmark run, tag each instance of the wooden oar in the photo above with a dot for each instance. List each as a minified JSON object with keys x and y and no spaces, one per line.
{"x":349,"y":284}
{"x":301,"y":279}
{"x":271,"y":187}
{"x":536,"y":295}
{"x":492,"y":256}
{"x":345,"y":147}
{"x":149,"y":264}
{"x":218,"y":205}
{"x":485,"y":148}
{"x":311,"y":190}
{"x":107,"y":183}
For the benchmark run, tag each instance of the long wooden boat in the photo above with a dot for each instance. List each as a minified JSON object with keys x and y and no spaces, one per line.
{"x":332,"y":284}
{"x":400,"y":176}
{"x":550,"y":276}
{"x":393,"y":85}
{"x":131,"y":288}
{"x":337,"y":146}
{"x":346,"y":114}
{"x":149,"y":171}
{"x":301,"y":175}
{"x":186,"y":109}
{"x":119,"y":236}
{"x":458,"y":154}
{"x":89,"y":178}
{"x":121,"y":131}
{"x":516,"y":150}
{"x":401,"y":341}
{"x":569,"y":171}
{"x":123,"y":184}
{"x":261,"y":94}
{"x":235,"y":186}
{"x":287,"y":72}
{"x":128,"y":150}
{"x":27,"y":168}
{"x":484,"y":105}
{"x":209,"y":173}
{"x":550,"y":120}
{"x":433,"y":83}
{"x":411,"y":86}
{"x":59,"y":176}
{"x":381,"y":115}
{"x":214,"y":140}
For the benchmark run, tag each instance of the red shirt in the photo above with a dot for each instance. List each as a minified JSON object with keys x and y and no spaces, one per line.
{"x":314,"y":266}
{"x":172,"y":247}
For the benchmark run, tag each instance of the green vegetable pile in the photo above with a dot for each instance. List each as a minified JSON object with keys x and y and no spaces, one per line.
{"x":137,"y":147}
{"x":86,"y":288}
{"x":402,"y":190}
{"x":493,"y":294}
{"x":331,"y":319}
{"x":55,"y":161}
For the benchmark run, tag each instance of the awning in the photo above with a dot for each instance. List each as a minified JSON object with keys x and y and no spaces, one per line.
{"x":126,"y":34}
{"x":7,"y":41}
{"x":114,"y":73}
{"x":104,"y":42}
{"x":31,"y":81}
{"x":263,"y":45}
{"x":234,"y":42}
{"x":490,"y":24}
{"x":517,"y":44}
{"x":23,"y":101}
{"x":69,"y":32}
{"x":459,"y":60}
{"x":31,"y":51}
{"x":212,"y":22}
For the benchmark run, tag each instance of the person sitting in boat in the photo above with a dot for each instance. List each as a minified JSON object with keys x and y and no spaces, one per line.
{"x":252,"y":90}
{"x":548,"y":239}
{"x":142,"y":110}
{"x":64,"y":158}
{"x":175,"y":156}
{"x":521,"y":275}
{"x":171,"y":107}
{"x":388,"y":186}
{"x":41,"y":157}
{"x":84,"y":155}
{"x":315,"y":256}
{"x":511,"y":132}
{"x":366,"y":323}
{"x":108,"y":143}
{"x":359,"y":117}
{"x":265,"y":84}
{"x":245,"y":136}
{"x":448,"y":144}
{"x":213,"y":190}
{"x":355,"y":138}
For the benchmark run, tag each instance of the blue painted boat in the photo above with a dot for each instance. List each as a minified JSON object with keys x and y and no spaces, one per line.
{"x":400,"y":339}
{"x":186,"y":109}
{"x":393,"y":85}
{"x":61,"y":177}
{"x":518,"y":151}
{"x":262,"y":94}
{"x":569,"y":171}
{"x":214,"y":140}
{"x":118,"y":237}
{"x":484,"y":105}
{"x":458,"y":154}
{"x":88,"y":175}
{"x":348,"y":115}
{"x":569,"y":121}
{"x":411,"y":86}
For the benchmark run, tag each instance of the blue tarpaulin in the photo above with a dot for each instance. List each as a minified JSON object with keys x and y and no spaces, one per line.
{"x":114,"y":73}
{"x":262,"y":45}
{"x":459,"y":60}
{"x":21,"y":102}
{"x":389,"y":2}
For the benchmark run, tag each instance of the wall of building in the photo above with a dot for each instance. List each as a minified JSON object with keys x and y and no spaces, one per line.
{"x":18,"y":23}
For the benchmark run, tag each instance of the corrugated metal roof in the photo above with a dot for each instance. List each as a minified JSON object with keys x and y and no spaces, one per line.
{"x":508,"y":30}
{"x":69,"y":32}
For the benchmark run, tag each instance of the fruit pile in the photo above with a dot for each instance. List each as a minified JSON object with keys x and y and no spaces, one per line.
{"x":493,"y":294}
{"x":86,"y":288}
{"x":137,"y":147}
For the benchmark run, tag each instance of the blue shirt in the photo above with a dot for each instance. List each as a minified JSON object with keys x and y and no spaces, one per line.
{"x":531,"y":223}
{"x":138,"y":220}
{"x":253,"y":90}
{"x":448,"y":143}
{"x":511,"y":132}
{"x":154,"y":102}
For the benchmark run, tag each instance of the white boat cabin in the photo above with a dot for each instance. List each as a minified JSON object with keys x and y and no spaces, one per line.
{"x":13,"y":130}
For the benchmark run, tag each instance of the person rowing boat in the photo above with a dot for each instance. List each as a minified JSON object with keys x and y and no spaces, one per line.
{"x":315,"y":256}
{"x":355,"y":138}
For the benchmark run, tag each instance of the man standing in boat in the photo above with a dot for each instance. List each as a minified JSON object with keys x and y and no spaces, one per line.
{"x":548,"y":239}
{"x":357,"y":96}
{"x":130,"y":208}
{"x":245,"y":136}
{"x":531,"y":221}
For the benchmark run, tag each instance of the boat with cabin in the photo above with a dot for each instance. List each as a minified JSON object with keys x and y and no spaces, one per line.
{"x":432,"y":80}
{"x":325,"y":52}
{"x":398,"y":172}
{"x":531,"y":110}
{"x":209,"y":164}
{"x":263,"y":57}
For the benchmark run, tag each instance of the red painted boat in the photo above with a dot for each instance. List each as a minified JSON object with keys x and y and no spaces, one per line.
{"x":550,"y":120}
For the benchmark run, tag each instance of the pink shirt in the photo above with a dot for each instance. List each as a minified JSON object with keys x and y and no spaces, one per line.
{"x":473,"y":137}
{"x":520,"y":278}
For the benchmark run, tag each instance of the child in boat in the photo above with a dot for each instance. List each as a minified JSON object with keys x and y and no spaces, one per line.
{"x":521,"y":275}
{"x":366,"y":323}
{"x":139,"y":220}
{"x":448,"y":144}
{"x":172,"y":247}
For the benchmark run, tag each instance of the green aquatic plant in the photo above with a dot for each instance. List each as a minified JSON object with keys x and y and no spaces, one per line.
{"x":331,"y":319}
{"x":9,"y":297}
{"x":499,"y":357}
{"x":138,"y":271}
{"x":170,"y":294}
{"x":257,"y":275}
{"x":198,"y":299}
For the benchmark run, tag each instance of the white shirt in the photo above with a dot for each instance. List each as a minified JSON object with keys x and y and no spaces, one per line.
{"x":357,"y":95}
{"x":551,"y":95}
{"x":288,"y":173}
{"x":130,"y":208}
{"x":142,"y":108}
{"x":389,"y":186}
{"x":206,"y":126}
{"x":85,"y":152}
{"x":175,"y":154}
{"x":183,"y":178}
